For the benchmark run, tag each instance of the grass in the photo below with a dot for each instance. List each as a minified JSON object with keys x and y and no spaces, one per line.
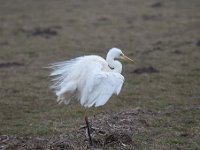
{"x":166,"y":39}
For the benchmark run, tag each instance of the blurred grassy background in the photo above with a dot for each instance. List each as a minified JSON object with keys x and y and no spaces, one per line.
{"x":163,"y":34}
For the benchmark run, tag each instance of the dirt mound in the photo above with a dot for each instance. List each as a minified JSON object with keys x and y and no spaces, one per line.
{"x":108,"y":131}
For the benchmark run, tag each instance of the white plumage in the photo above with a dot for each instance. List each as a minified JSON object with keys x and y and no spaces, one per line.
{"x":90,"y":79}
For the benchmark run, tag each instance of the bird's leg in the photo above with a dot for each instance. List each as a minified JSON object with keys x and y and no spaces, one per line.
{"x":88,"y":128}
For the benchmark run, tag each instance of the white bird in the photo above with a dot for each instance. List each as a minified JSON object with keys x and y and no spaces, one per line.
{"x":91,"y":79}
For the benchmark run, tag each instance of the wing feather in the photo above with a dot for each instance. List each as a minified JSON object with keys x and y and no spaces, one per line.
{"x":102,"y":86}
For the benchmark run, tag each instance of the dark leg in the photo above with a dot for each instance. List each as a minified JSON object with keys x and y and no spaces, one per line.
{"x":88,"y":128}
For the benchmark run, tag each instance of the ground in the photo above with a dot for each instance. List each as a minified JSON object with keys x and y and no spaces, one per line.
{"x":159,"y":105}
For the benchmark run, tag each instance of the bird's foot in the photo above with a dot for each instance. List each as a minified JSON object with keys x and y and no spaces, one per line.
{"x":89,"y":132}
{"x":91,"y":128}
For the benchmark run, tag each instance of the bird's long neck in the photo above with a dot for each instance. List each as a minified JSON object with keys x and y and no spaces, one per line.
{"x":115,"y":65}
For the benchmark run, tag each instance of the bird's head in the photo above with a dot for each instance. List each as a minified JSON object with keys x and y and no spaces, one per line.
{"x":116,"y":53}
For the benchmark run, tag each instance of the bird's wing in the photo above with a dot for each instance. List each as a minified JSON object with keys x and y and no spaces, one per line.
{"x":100,"y":86}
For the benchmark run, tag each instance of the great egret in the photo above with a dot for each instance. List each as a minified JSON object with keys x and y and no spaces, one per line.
{"x":91,"y":79}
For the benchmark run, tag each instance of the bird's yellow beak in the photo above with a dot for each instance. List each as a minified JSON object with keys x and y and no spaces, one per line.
{"x":124,"y":57}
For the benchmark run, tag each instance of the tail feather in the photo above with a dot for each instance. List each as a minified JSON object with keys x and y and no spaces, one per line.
{"x":62,"y":68}
{"x":63,"y":85}
{"x":65,"y":98}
